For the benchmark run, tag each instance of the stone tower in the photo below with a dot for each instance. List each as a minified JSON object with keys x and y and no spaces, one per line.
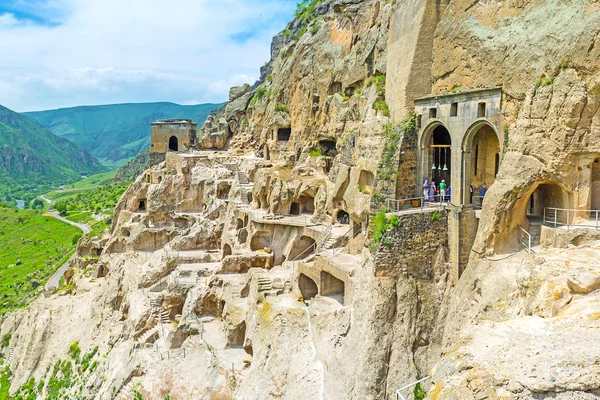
{"x":175,"y":135}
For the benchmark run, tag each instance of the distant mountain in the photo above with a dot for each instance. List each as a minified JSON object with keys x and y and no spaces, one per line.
{"x":32,"y":155}
{"x":115,"y":133}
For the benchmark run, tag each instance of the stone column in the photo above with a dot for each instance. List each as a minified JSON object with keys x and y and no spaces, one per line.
{"x":466,"y":166}
{"x":456,"y":173}
{"x":423,"y":168}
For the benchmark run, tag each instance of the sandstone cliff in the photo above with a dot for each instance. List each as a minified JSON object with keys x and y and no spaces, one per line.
{"x":243,"y":273}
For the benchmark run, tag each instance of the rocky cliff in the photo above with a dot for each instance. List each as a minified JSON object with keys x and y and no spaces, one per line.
{"x":249,"y":272}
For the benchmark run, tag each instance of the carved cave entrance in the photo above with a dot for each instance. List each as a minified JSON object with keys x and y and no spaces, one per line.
{"x":173,"y":144}
{"x":284,"y":134}
{"x":260,"y":240}
{"x":142,"y":206}
{"x":295,"y":209}
{"x":328,"y":148}
{"x":307,"y":204}
{"x":307,"y":287}
{"x":343,"y":217}
{"x":227,"y":250}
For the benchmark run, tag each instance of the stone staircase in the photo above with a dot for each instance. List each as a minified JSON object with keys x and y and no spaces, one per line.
{"x":329,"y":243}
{"x":148,"y":334}
{"x":265,"y":284}
{"x":159,"y":285}
{"x":244,"y":196}
{"x":157,"y":310}
{"x":242,"y":178}
{"x":11,"y":353}
{"x":535,"y":230}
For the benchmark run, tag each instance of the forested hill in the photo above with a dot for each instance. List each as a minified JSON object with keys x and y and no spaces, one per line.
{"x":32,"y":155}
{"x":115,"y":133}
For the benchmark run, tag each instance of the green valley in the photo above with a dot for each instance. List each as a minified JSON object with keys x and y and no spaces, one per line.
{"x":32,"y":158}
{"x":118,"y":132}
{"x":33,"y":247}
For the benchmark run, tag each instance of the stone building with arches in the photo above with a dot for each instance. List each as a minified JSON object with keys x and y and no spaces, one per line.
{"x":460,"y":141}
{"x":171,"y":135}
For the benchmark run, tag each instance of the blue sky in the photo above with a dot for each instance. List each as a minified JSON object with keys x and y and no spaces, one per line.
{"x":63,"y":53}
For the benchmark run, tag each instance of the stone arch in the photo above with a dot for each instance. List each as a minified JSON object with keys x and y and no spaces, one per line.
{"x":307,"y":287}
{"x":435,"y":149}
{"x":260,"y":240}
{"x":226,"y":250}
{"x":481,"y":148}
{"x":173,"y":143}
{"x":528,"y":211}
{"x":301,"y":248}
{"x":428,"y":132}
{"x":472,"y":131}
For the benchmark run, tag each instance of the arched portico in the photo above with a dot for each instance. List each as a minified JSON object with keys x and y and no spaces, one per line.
{"x":481,"y":155}
{"x":437,"y":155}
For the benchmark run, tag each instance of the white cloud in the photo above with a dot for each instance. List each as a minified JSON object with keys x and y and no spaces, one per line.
{"x":114,"y":51}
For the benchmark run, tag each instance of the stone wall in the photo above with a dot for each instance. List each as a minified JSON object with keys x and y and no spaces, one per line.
{"x":415,"y":244}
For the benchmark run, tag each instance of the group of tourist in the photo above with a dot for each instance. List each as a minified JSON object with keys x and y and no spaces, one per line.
{"x":442,"y":192}
{"x":433,"y":193}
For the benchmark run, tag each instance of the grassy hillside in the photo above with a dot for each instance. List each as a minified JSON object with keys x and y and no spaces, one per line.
{"x":33,"y":248}
{"x":101,"y":198}
{"x":134,"y":168}
{"x":115,"y":133}
{"x":84,"y":185}
{"x":32,"y":156}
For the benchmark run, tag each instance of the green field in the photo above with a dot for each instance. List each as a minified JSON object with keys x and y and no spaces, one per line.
{"x":33,"y":248}
{"x":85,"y":185}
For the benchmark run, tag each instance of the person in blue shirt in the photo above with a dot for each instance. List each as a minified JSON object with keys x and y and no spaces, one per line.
{"x":482,"y":191}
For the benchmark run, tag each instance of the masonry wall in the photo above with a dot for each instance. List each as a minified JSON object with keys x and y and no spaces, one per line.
{"x":161,"y":132}
{"x":414,"y":246}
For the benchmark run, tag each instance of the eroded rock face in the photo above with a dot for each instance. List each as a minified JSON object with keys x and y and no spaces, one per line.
{"x":198,"y":291}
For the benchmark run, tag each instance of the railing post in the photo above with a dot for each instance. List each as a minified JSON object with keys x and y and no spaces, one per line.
{"x":555,"y":211}
{"x":568,"y":220}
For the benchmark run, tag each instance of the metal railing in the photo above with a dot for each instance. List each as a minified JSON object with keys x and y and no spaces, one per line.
{"x":416,"y":203}
{"x":350,"y":234}
{"x":525,"y":239}
{"x":558,"y":217}
{"x":399,"y":395}
{"x":313,"y":248}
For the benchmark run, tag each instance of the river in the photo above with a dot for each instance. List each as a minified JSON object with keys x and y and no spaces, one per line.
{"x":20,"y":204}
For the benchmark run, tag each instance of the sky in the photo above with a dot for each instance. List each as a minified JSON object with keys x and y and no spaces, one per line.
{"x":65,"y":53}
